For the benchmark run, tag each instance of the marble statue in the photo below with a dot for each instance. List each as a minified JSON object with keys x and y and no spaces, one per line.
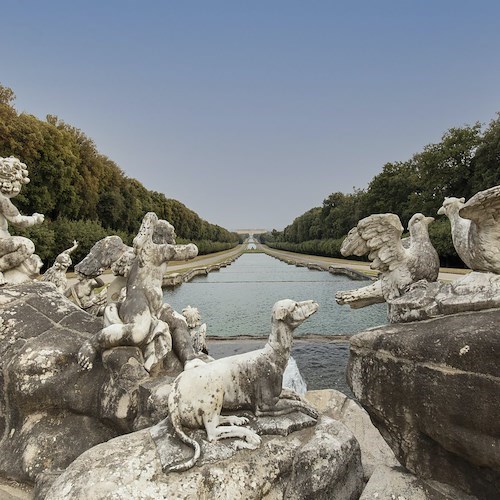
{"x":135,"y":321}
{"x":251,"y":381}
{"x":111,"y":253}
{"x":57,"y":273}
{"x":400,"y":262}
{"x":82,"y":294}
{"x":196,"y":328}
{"x":475,"y":229}
{"x":17,"y":254}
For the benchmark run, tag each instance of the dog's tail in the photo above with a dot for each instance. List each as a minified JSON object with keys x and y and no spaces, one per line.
{"x":175,"y":418}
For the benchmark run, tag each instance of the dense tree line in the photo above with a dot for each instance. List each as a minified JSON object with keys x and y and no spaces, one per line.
{"x":465,"y":161}
{"x":83,"y":194}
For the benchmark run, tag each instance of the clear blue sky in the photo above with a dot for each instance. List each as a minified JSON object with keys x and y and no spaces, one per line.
{"x":252,"y":112}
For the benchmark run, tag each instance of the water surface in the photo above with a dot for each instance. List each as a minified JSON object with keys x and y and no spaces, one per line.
{"x":237,"y":300}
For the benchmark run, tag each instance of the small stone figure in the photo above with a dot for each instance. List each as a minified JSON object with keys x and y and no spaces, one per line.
{"x":82,"y":294}
{"x":253,"y":381}
{"x":57,"y":273}
{"x":197,"y":330}
{"x":475,"y":229}
{"x":400,"y":262}
{"x":135,"y":321}
{"x":16,"y":252}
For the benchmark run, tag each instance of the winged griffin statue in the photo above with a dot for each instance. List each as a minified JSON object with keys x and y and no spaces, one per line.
{"x":400,"y":262}
{"x":475,"y":229}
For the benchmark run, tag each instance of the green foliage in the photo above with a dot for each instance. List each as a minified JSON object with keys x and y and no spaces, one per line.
{"x":326,"y":247}
{"x":206,"y":246}
{"x":466,"y":161}
{"x":83,"y":194}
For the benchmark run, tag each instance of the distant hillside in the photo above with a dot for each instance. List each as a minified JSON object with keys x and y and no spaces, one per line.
{"x":83,"y":194}
{"x":467,"y":160}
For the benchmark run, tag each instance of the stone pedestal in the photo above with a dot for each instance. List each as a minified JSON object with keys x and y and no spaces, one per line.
{"x":432,"y":388}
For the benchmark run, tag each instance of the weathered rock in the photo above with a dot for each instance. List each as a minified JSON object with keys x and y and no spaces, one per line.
{"x":390,"y":483}
{"x":10,"y":490}
{"x":374,"y":450}
{"x":431,"y":388}
{"x":476,"y":291}
{"x":319,"y":462}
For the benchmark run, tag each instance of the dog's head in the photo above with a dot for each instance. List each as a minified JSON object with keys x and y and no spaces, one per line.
{"x":294,"y":313}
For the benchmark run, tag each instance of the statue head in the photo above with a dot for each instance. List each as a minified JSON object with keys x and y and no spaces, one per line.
{"x":419,"y":219}
{"x":192,"y":316}
{"x":13,"y":174}
{"x":63,"y":261}
{"x":122,"y":266}
{"x":164,"y":233}
{"x":451,"y":205}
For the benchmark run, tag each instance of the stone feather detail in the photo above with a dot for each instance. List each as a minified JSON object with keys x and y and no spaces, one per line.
{"x":399,"y":262}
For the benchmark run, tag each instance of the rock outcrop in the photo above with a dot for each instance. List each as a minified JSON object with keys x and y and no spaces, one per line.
{"x":475,"y":291}
{"x":374,"y":450}
{"x":320,"y":462}
{"x":390,"y":483}
{"x":431,"y":388}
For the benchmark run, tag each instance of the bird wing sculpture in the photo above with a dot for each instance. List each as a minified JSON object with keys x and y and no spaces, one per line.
{"x":379,"y":236}
{"x":483,"y":209}
{"x":400,"y":262}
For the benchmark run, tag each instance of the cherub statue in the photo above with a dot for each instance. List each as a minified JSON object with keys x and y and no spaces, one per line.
{"x":57,"y":273}
{"x":82,"y":294}
{"x":135,"y":321}
{"x":197,"y":330}
{"x":15,"y":251}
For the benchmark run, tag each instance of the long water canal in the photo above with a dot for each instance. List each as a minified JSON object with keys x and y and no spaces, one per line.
{"x":237,"y":301}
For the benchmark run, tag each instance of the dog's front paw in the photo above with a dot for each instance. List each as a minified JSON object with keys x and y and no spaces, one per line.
{"x":253,"y":439}
{"x":239,"y":420}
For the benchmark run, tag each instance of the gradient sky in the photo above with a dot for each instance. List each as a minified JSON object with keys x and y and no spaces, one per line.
{"x":252,"y":112}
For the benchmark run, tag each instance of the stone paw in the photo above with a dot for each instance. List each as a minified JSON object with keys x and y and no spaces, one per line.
{"x":234,"y":420}
{"x":253,"y":440}
{"x":86,"y":356}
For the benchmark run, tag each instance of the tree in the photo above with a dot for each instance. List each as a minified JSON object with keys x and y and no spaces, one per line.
{"x":446,"y":168}
{"x":486,"y":160}
{"x":7,"y":95}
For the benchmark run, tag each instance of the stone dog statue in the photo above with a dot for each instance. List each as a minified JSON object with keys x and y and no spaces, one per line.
{"x":245,"y":381}
{"x":135,"y":321}
{"x":16,"y":252}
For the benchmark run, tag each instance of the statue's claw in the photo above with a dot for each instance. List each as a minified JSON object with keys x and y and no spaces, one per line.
{"x":234,"y":420}
{"x":86,"y":356}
